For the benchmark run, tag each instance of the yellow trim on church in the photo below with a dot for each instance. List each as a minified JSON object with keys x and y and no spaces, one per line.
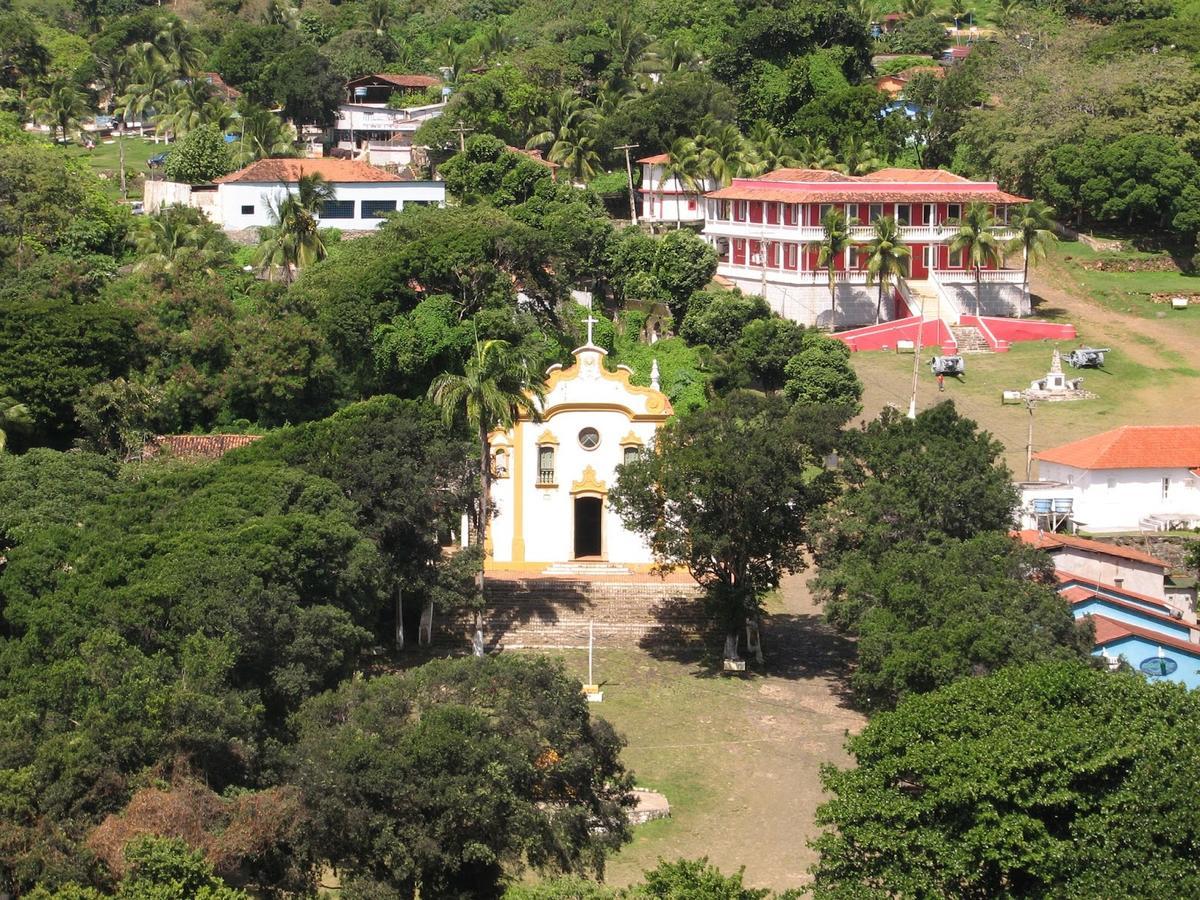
{"x":589,"y":483}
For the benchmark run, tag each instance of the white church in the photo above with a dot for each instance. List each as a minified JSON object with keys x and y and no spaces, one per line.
{"x":550,"y":493}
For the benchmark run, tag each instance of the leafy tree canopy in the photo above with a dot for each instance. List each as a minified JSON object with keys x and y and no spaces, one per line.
{"x":926,"y":616}
{"x":452,"y":777}
{"x":1038,"y":781}
{"x":201,"y":156}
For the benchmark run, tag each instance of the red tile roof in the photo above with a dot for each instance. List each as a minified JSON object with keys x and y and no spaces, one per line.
{"x":535,"y":155}
{"x":904,"y":185}
{"x":197,"y":446}
{"x":288,"y":171}
{"x":1109,"y":631}
{"x":1045,"y":540}
{"x":219,"y":85}
{"x":399,"y":79}
{"x":1131,"y":447}
{"x":1077,"y":596}
{"x":657,"y":159}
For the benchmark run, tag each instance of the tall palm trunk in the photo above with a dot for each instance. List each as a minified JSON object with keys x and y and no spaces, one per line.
{"x":978,"y":294}
{"x":121,"y":155}
{"x":485,"y":491}
{"x":832,"y":297}
{"x":1025,"y":281}
{"x":879,"y":303}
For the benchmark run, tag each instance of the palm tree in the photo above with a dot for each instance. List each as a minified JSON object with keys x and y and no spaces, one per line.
{"x":676,"y":54}
{"x":61,"y":108}
{"x":888,"y":254}
{"x":862,"y":10}
{"x":1034,"y":226}
{"x":177,"y":237}
{"x":261,"y":134}
{"x":958,"y":11}
{"x":172,"y":48}
{"x":1008,"y":9}
{"x":293,"y":240}
{"x":147,"y":90}
{"x":629,"y":43}
{"x":495,"y":388}
{"x":768,"y":150}
{"x":976,"y":240}
{"x":492,"y":42}
{"x":575,"y":151}
{"x":116,"y":73}
{"x":723,"y":152}
{"x":833,"y":247}
{"x":14,"y":417}
{"x":565,"y":112}
{"x":857,"y":157}
{"x":812,"y":153}
{"x":192,"y":104}
{"x":683,"y":165}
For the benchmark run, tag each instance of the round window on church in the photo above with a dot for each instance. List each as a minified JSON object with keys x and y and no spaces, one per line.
{"x":589,"y":439}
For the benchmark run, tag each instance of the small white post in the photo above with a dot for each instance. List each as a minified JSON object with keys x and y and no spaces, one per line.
{"x":592,"y":690}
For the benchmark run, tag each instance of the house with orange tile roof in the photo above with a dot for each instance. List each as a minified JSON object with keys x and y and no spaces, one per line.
{"x":363,"y":194}
{"x":767,"y":232}
{"x":665,"y":199}
{"x":1132,"y":478}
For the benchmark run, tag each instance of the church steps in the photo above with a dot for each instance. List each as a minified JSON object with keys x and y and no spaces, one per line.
{"x":557,"y":612}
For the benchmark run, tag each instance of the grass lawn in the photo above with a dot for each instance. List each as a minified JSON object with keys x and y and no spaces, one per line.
{"x":1126,"y":292}
{"x":737,"y":757}
{"x":105,"y":161}
{"x":1128,"y":393}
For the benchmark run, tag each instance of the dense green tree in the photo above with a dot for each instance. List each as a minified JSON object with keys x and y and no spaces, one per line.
{"x":51,"y":349}
{"x":23,"y":58}
{"x":927,"y":616}
{"x":304,"y":85}
{"x":821,"y":374}
{"x":717,"y":318}
{"x":1038,"y":781}
{"x":179,"y":241}
{"x":491,"y":173}
{"x":200,"y":157}
{"x":451,"y":778}
{"x":727,"y":495}
{"x":924,"y":35}
{"x":61,"y":108}
{"x":922,"y":480}
{"x":675,"y":108}
{"x":245,"y":56}
{"x":765,"y":347}
{"x":359,"y":51}
{"x":14,"y":418}
{"x":683,"y":264}
{"x":695,"y":878}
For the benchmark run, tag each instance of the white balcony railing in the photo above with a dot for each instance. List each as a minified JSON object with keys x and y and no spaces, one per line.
{"x":787,"y":276}
{"x":987,"y":276}
{"x":912,"y":234}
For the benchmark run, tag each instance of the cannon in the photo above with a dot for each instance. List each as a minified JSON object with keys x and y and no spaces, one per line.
{"x":1087,"y":357}
{"x":947,"y":365}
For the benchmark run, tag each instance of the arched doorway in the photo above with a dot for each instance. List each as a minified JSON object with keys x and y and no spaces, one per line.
{"x":588,"y":536}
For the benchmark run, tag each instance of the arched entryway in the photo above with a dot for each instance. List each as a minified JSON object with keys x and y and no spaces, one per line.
{"x":588,"y":534}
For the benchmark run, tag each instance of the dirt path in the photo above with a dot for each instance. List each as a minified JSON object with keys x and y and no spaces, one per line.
{"x":1051,"y":283}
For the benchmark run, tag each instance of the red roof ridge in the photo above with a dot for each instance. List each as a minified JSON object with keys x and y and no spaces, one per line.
{"x":656,"y":158}
{"x":1110,"y":630}
{"x":287,"y":170}
{"x":1051,"y":539}
{"x":197,"y":446}
{"x":1131,"y":447}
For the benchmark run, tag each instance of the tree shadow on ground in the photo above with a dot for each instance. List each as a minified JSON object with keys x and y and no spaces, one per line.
{"x":796,"y":646}
{"x":1039,"y":309}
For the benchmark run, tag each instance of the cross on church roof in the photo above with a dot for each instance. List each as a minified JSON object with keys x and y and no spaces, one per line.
{"x":591,"y":320}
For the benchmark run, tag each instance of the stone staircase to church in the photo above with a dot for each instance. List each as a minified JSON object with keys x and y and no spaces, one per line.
{"x":970,"y":339}
{"x":556,"y":612}
{"x":585,"y":569}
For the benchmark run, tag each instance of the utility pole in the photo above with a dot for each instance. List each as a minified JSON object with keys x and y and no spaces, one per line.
{"x":912,"y":403}
{"x":463,"y":131}
{"x":629,"y":172}
{"x":1030,"y":405}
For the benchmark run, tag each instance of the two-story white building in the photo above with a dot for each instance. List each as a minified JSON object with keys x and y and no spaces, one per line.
{"x":665,"y":199}
{"x":364,"y":194}
{"x":1137,"y":477}
{"x":380,"y":133}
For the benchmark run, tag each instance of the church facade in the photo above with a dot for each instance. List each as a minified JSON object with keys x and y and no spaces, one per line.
{"x":553,"y":476}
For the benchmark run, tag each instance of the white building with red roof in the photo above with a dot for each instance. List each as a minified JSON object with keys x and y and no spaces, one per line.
{"x":665,"y":199}
{"x":767,"y":232}
{"x":364,"y":194}
{"x":1137,"y":477}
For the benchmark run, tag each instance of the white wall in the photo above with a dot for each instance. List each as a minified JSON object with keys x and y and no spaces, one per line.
{"x":662,"y":207}
{"x":235,"y":195}
{"x":1139,"y":577}
{"x":158,"y":194}
{"x":810,"y":304}
{"x":1117,"y":499}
